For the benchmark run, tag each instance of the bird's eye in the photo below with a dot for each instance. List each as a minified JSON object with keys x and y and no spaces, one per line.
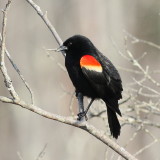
{"x":70,"y":43}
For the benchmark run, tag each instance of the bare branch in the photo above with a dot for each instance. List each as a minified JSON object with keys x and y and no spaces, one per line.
{"x":47,"y":22}
{"x":137,"y":40}
{"x":5,"y":99}
{"x":73,"y":122}
{"x":145,"y":147}
{"x":132,"y":115}
{"x":148,"y":88}
{"x":136,"y":63}
{"x":52,"y":58}
{"x":19,"y":73}
{"x":20,"y":156}
{"x":3,"y":68}
{"x":42,"y":153}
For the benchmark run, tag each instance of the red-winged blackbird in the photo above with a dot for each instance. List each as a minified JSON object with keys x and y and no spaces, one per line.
{"x":94,"y":76}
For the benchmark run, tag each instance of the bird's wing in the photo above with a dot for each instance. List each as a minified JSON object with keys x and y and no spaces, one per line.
{"x":111,"y":71}
{"x":93,"y":70}
{"x":103,"y":83}
{"x":101,"y":73}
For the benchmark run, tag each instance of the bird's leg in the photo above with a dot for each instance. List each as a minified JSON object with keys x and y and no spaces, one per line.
{"x":80,"y":102}
{"x":83,"y":112}
{"x":81,"y":107}
{"x":89,"y":105}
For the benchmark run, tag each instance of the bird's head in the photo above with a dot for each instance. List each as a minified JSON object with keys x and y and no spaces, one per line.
{"x":77,"y":45}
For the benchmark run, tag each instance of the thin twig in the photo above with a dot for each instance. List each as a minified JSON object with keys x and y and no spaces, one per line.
{"x":52,"y":58}
{"x":118,"y":50}
{"x":146,"y":147}
{"x":19,"y":73}
{"x":3,"y":68}
{"x":47,"y":22}
{"x":20,"y":156}
{"x":146,"y":87}
{"x":136,"y":63}
{"x":137,"y":40}
{"x":42,"y":153}
{"x":133,"y":136}
{"x":71,"y":104}
{"x":125,"y":100}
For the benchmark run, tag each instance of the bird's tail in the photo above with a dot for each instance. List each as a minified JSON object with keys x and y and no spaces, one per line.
{"x":113,"y":122}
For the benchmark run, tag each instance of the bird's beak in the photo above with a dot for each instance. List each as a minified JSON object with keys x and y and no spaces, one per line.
{"x":61,"y":48}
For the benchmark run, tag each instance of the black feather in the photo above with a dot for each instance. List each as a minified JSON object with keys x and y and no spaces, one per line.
{"x":113,"y":123}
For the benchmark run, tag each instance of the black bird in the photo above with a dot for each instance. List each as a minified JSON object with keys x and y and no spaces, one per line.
{"x":94,"y":76}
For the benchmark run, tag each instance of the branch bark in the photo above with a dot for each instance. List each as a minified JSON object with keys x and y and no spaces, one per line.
{"x":73,"y":122}
{"x":3,"y":68}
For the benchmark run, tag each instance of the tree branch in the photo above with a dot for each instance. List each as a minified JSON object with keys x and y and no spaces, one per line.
{"x":3,"y":68}
{"x":47,"y":22}
{"x":137,"y":40}
{"x":19,"y":72}
{"x":73,"y":122}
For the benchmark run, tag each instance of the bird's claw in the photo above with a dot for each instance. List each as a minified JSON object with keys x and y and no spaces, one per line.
{"x":81,"y":115}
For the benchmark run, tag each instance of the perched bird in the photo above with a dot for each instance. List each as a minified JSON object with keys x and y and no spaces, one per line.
{"x":94,"y":76}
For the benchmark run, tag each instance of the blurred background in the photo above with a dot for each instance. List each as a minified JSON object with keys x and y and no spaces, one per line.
{"x":23,"y":133}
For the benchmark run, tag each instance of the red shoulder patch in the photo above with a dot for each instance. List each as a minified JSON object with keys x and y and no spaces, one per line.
{"x":90,"y":63}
